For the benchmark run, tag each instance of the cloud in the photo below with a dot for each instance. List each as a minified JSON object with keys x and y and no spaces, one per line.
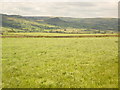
{"x":59,"y":0}
{"x":68,"y":9}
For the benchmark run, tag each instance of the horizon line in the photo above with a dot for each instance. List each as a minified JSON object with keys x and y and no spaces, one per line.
{"x":53,"y":16}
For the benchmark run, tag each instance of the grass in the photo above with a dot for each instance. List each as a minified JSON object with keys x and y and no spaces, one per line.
{"x":51,"y":34}
{"x":60,"y":62}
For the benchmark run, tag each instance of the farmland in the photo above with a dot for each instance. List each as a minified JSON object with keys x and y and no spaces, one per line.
{"x":60,"y":62}
{"x":50,"y":34}
{"x":59,"y":52}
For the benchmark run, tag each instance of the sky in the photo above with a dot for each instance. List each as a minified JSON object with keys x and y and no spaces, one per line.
{"x":71,"y":8}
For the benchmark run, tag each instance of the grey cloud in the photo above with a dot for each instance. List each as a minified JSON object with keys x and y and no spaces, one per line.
{"x":71,"y":9}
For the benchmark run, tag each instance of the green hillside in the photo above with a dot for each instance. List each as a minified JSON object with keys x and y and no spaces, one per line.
{"x":89,"y":23}
{"x":14,"y":23}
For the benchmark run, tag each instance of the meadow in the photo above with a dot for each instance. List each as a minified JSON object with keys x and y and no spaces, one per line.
{"x":49,"y":34}
{"x":60,"y":62}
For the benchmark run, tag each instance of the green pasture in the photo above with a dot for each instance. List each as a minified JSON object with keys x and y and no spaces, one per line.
{"x":60,"y":62}
{"x":49,"y":34}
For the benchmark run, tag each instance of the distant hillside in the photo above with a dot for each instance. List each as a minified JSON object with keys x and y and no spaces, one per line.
{"x":17,"y":23}
{"x":37,"y":18}
{"x":95,"y":23}
{"x":88,"y":23}
{"x":57,"y":21}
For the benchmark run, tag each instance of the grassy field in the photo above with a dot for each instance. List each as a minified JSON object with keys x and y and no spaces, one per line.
{"x":60,"y":62}
{"x":49,"y":34}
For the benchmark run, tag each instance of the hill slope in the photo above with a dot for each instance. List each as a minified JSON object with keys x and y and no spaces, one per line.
{"x":87,"y":23}
{"x":21,"y":24}
{"x":18,"y":23}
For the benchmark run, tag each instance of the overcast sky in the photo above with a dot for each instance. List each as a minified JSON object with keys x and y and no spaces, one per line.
{"x":81,"y":9}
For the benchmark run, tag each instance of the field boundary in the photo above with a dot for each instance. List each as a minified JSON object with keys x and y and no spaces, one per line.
{"x":60,"y":36}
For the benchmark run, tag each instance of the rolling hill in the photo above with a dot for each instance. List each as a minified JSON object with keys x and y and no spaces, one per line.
{"x":14,"y":23}
{"x":17,"y":23}
{"x":87,"y":23}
